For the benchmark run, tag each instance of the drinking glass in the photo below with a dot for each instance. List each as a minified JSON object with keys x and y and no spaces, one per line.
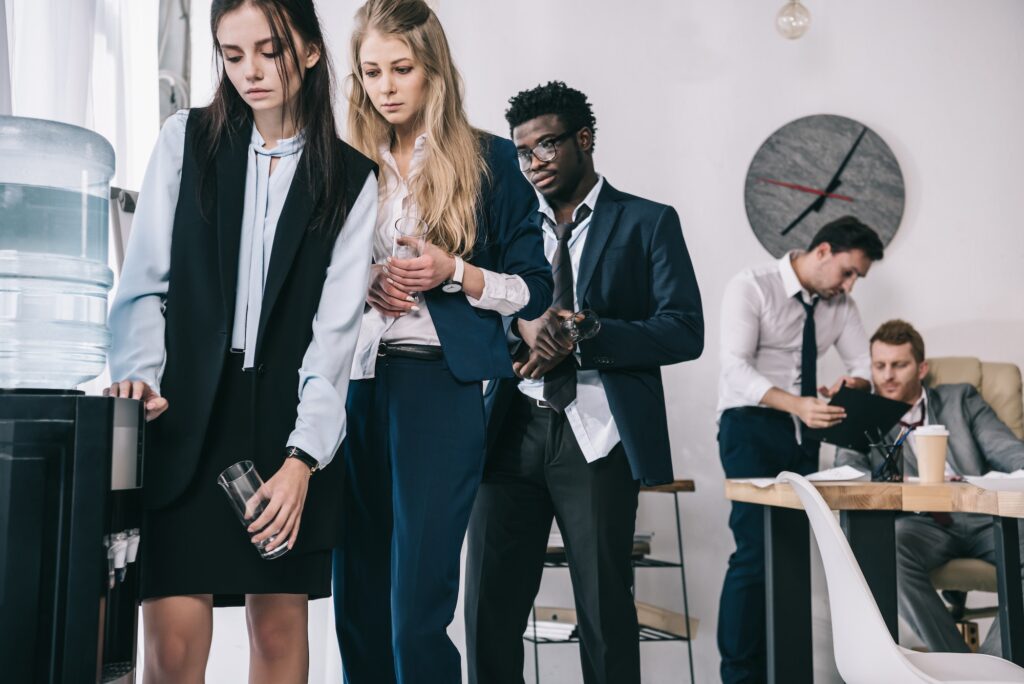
{"x":414,"y":229}
{"x":582,"y":325}
{"x":242,"y":485}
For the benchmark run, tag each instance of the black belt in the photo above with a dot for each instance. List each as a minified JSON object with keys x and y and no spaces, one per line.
{"x":423,"y":352}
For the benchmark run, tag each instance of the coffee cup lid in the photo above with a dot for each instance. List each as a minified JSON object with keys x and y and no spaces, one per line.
{"x":937,"y":430}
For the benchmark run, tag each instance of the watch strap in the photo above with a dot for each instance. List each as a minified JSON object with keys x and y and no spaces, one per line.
{"x":304,"y":457}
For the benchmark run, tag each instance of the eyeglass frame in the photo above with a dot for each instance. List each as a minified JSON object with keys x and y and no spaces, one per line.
{"x":525,"y":162}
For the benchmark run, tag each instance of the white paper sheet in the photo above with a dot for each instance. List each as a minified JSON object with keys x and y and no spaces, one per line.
{"x":1005,"y":482}
{"x":840,"y":474}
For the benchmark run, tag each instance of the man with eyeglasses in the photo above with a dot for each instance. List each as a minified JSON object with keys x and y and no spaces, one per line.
{"x":584,"y":426}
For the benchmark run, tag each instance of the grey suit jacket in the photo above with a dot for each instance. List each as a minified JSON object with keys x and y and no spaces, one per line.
{"x":978,"y":440}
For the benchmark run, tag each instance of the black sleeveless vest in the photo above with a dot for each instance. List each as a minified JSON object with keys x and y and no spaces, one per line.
{"x":199,"y":310}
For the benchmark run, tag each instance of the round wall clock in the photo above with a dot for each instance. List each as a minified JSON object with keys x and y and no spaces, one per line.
{"x":815,"y":170}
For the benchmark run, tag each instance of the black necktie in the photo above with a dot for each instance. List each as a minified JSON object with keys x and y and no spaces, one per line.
{"x":809,"y":352}
{"x":560,"y":381}
{"x":808,"y":367}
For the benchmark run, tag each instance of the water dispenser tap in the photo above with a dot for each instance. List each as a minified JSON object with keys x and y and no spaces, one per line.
{"x":133,"y":544}
{"x":118,"y":551}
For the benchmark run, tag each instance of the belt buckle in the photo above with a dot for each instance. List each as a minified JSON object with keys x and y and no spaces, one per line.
{"x":382,"y":350}
{"x":543,"y":404}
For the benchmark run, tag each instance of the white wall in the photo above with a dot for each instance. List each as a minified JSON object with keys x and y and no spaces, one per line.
{"x":684,"y":93}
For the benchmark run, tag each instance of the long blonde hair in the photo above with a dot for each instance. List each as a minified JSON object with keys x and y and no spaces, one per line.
{"x":447,"y":187}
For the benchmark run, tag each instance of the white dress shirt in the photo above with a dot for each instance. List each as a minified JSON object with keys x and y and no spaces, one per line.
{"x":136,"y":315}
{"x":762,"y":334}
{"x":919,"y":412}
{"x":589,"y":414}
{"x":503,"y":293}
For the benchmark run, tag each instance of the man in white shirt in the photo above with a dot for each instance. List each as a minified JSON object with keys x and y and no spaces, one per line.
{"x":776,"y":321}
{"x":575,"y":437}
{"x":978,"y":442}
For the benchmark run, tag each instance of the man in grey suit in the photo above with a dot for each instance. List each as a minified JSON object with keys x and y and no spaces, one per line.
{"x":978,"y":443}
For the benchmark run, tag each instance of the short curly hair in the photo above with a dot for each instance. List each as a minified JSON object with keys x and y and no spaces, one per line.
{"x":554,"y":97}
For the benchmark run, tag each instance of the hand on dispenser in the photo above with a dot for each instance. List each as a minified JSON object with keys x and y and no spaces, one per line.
{"x":137,"y":389}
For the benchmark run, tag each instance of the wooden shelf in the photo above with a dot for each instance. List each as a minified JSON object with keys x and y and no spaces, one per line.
{"x":672,"y":487}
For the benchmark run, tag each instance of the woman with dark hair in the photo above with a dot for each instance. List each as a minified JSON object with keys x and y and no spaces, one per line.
{"x":235,"y":322}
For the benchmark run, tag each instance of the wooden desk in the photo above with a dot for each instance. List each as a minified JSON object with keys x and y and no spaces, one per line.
{"x":867,"y":513}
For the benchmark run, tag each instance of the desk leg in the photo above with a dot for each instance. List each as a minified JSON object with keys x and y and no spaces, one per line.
{"x":788,"y":595}
{"x":872,"y":536}
{"x":1011,"y":604}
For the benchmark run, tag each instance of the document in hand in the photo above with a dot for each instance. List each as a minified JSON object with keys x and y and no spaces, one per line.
{"x":867,"y":416}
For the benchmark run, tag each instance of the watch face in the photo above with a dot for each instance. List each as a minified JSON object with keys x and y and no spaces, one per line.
{"x":451,"y":288}
{"x":815,"y":170}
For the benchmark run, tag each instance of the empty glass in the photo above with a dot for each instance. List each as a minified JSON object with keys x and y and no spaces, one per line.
{"x":242,"y":484}
{"x":414,"y":230}
{"x":582,"y":325}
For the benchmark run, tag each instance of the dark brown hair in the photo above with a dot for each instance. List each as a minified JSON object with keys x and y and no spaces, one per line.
{"x":897,"y":332}
{"x":313,"y":114}
{"x":848,"y":233}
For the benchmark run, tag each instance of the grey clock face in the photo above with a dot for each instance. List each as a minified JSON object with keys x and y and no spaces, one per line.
{"x":815,"y":170}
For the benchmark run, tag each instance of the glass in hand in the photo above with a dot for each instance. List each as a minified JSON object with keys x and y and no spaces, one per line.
{"x":581,"y":325}
{"x":243,"y":484}
{"x":414,"y":232}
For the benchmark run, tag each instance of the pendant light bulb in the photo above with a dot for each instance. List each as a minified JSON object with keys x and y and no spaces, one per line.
{"x":793,"y":20}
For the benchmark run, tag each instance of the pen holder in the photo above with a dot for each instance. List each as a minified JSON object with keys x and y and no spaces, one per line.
{"x":891,"y":467}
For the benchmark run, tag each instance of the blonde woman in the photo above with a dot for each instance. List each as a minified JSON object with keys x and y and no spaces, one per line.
{"x":432,"y":332}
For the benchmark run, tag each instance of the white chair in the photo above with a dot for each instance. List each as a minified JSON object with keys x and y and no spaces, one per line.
{"x":865,"y":651}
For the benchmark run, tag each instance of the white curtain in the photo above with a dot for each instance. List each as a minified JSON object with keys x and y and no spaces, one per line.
{"x":90,"y":63}
{"x":5,"y":65}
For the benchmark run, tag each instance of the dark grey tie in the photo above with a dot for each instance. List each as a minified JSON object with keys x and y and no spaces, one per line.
{"x":560,"y":381}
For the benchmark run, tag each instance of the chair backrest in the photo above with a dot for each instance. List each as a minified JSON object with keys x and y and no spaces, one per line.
{"x":999,"y":384}
{"x":864,"y":649}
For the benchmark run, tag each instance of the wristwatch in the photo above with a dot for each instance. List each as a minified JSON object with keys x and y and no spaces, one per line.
{"x":300,"y":455}
{"x":454,"y":284}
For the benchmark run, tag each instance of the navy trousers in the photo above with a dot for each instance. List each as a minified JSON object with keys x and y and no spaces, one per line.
{"x":752,"y":442}
{"x":414,"y":455}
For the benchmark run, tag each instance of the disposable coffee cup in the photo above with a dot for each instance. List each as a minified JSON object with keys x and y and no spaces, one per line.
{"x":930,"y":447}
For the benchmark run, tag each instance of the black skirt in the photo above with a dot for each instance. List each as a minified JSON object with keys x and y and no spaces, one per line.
{"x":197,"y":545}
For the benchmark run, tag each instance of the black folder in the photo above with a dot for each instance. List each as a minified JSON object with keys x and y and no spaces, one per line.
{"x":867,"y":415}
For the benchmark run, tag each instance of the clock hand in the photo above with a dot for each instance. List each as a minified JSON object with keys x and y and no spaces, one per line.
{"x":803,"y":214}
{"x":832,"y":185}
{"x":804,"y":188}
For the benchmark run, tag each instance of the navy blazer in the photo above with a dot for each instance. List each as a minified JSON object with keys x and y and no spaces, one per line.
{"x":508,"y":240}
{"x":635,"y":273}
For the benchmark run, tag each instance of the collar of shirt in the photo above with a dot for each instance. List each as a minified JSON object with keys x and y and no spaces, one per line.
{"x":418,"y":151}
{"x":285,"y":146}
{"x":918,"y":411}
{"x":790,"y":283}
{"x":590,"y":200}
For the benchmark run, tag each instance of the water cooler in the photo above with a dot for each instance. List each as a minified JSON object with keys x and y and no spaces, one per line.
{"x":70,"y":464}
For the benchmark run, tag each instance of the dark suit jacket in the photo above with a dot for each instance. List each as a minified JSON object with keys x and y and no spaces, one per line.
{"x":636,"y":274}
{"x":978,"y":440}
{"x":508,"y":241}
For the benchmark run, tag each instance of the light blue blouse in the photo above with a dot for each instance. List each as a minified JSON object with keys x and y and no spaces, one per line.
{"x":136,"y":316}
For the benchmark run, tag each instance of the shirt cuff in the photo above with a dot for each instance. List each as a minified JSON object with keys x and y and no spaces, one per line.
{"x":757,"y":390}
{"x":506,"y":294}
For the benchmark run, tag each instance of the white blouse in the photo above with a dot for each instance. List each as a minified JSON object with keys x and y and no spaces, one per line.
{"x":503,"y":293}
{"x":136,"y":316}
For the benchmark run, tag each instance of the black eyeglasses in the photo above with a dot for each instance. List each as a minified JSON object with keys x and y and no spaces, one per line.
{"x":545,"y":151}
